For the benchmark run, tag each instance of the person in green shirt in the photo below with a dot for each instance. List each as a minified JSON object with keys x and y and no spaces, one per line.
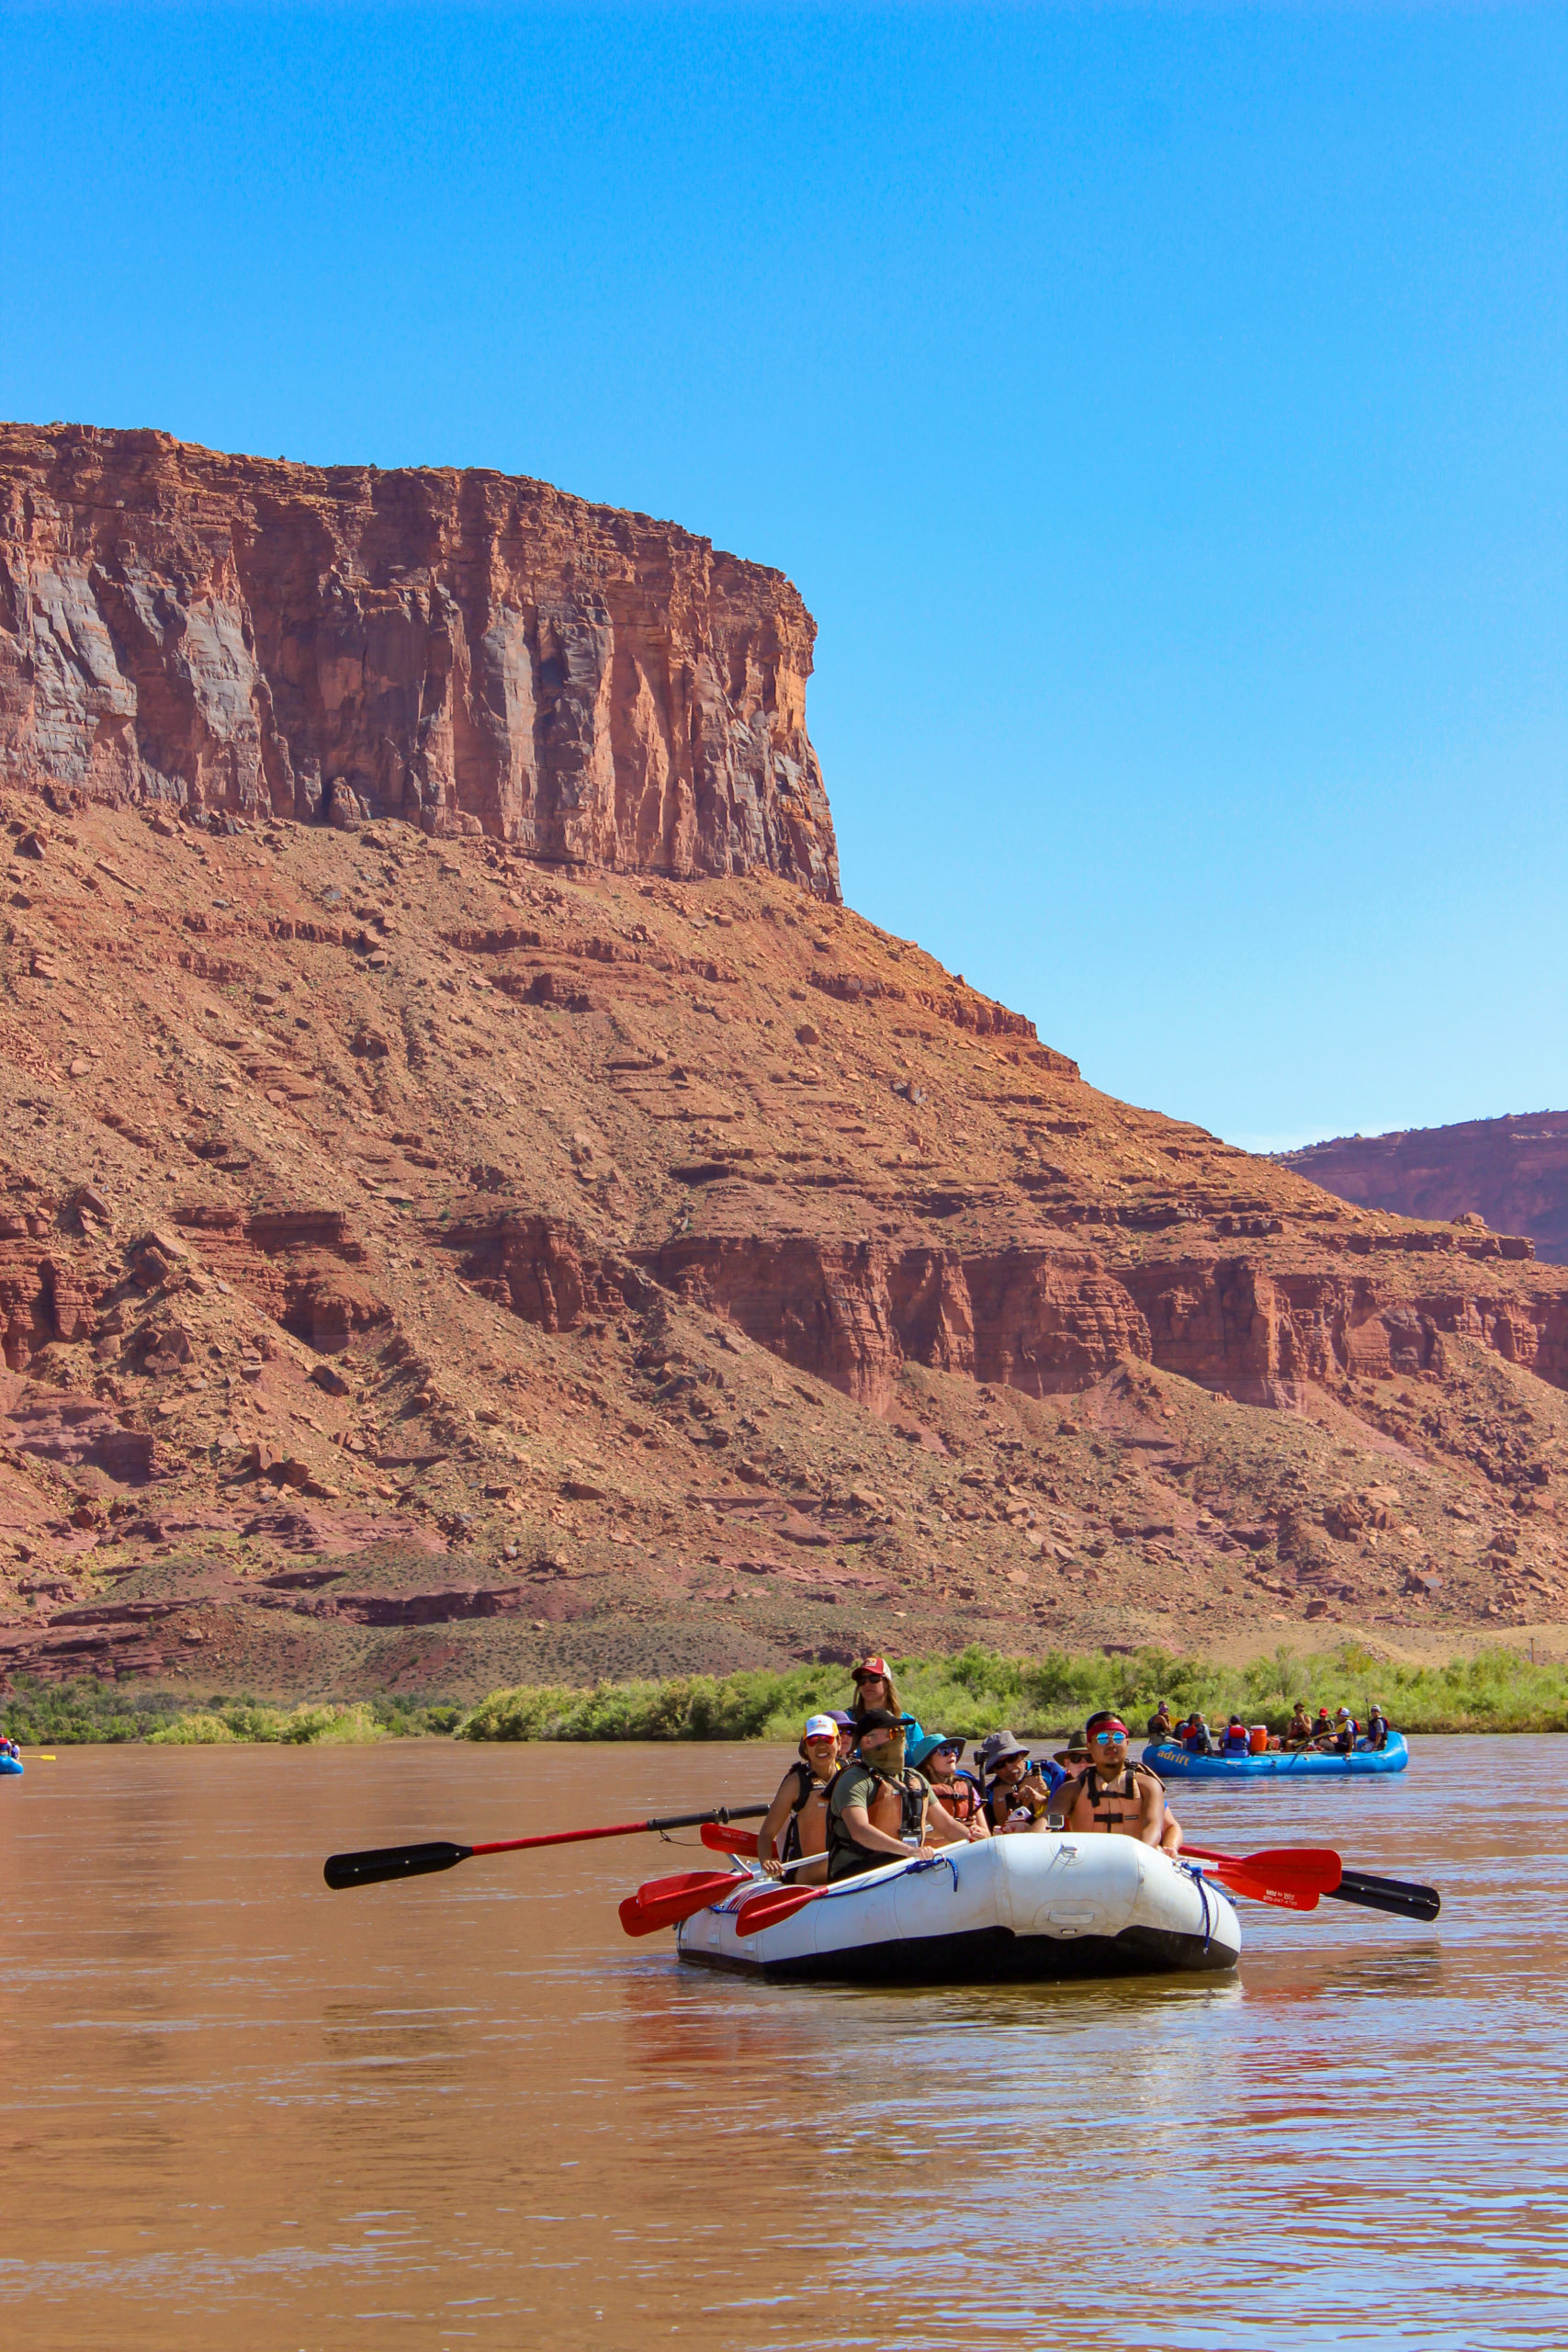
{"x":878,"y":1810}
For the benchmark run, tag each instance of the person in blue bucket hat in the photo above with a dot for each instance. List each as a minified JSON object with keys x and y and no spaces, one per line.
{"x":936,"y":1754}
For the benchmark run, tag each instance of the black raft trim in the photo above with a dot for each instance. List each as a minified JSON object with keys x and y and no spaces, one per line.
{"x":984,"y":1956}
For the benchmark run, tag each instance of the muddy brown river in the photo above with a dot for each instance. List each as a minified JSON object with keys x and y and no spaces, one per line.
{"x":239,"y":2111}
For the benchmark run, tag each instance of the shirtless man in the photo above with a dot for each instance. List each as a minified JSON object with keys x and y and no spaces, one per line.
{"x":878,"y":1811}
{"x":1298,"y":1731}
{"x":1117,"y":1796}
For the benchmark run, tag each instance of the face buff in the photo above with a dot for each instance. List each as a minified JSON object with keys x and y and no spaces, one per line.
{"x":889,"y":1759}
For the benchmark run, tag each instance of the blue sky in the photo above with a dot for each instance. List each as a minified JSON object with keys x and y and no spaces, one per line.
{"x":1162,"y":412}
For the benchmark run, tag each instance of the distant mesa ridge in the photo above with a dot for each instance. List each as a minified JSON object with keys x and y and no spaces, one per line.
{"x":1513,"y":1171}
{"x":469,"y":652}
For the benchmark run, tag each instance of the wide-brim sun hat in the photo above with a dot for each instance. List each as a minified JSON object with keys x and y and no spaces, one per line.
{"x":998,"y":1746}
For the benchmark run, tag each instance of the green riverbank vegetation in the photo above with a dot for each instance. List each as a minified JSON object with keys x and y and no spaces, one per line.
{"x":73,"y":1714}
{"x":979,"y":1690}
{"x":973,"y":1691}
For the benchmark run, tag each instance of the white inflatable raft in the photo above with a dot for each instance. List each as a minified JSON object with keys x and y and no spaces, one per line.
{"x":1028,"y":1909}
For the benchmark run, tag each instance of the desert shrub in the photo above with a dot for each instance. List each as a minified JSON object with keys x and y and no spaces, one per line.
{"x":193,"y":1731}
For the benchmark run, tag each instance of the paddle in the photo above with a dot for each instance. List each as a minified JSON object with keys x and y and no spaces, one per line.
{"x":720,"y":1840}
{"x":665,"y":1901}
{"x":1283,"y":1897}
{"x":381,"y":1862}
{"x":1401,"y":1897}
{"x":767,"y":1910}
{"x":1296,"y":1869}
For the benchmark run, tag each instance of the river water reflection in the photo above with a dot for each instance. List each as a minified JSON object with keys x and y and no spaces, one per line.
{"x":238,"y":2111}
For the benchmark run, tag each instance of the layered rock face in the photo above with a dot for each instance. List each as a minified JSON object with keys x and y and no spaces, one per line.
{"x":421,"y":1270}
{"x":466,"y":651}
{"x":1512,"y":1173}
{"x":434,"y":1256}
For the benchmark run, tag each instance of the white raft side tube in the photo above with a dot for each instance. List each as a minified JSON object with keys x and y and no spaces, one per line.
{"x":1066,"y":1885}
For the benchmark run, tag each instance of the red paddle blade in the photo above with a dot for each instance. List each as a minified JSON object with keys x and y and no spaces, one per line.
{"x":1320,"y":1865}
{"x":661,"y":1890}
{"x":664,"y":1903}
{"x":1282,"y":1896}
{"x":767,"y":1910}
{"x":1308,"y":1869}
{"x":722,"y":1839}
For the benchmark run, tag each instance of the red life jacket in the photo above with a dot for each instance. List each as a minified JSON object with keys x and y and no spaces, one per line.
{"x":960,"y":1796}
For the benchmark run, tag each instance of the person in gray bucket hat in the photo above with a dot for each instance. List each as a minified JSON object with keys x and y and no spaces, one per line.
{"x":1004,"y":1762}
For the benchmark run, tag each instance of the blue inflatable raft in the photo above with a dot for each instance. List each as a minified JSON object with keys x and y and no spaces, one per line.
{"x":1174,"y":1763}
{"x":12,"y":1765}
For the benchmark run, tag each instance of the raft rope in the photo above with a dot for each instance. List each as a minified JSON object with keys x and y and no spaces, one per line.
{"x":1195,"y":1873}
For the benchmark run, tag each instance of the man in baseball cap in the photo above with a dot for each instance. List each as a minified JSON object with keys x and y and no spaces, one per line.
{"x":878,"y":1809}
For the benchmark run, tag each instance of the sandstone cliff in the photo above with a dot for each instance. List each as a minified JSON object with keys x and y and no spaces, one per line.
{"x":1512,"y":1173}
{"x":468,"y":652}
{"x":428,"y":1261}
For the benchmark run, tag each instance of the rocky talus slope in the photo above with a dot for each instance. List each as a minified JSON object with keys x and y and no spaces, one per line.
{"x":1509,"y":1174}
{"x":425,"y":1265}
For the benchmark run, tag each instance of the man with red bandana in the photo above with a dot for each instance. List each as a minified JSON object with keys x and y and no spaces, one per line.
{"x":1114,"y":1795}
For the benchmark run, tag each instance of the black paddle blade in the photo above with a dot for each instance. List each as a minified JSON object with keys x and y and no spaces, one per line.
{"x":391,"y":1861}
{"x":1400,"y":1896}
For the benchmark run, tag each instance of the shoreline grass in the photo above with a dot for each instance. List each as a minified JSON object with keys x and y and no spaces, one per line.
{"x":91,"y":1713}
{"x":970,"y":1692}
{"x":979,"y":1690}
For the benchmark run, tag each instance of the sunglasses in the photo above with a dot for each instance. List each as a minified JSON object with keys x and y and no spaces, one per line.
{"x":1109,"y":1738}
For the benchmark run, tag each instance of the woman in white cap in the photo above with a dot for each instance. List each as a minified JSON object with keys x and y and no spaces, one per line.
{"x":800,"y":1808}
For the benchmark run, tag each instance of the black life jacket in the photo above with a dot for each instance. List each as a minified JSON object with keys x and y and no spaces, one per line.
{"x":805,"y":1783}
{"x":1013,"y":1800}
{"x":845,"y":1859}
